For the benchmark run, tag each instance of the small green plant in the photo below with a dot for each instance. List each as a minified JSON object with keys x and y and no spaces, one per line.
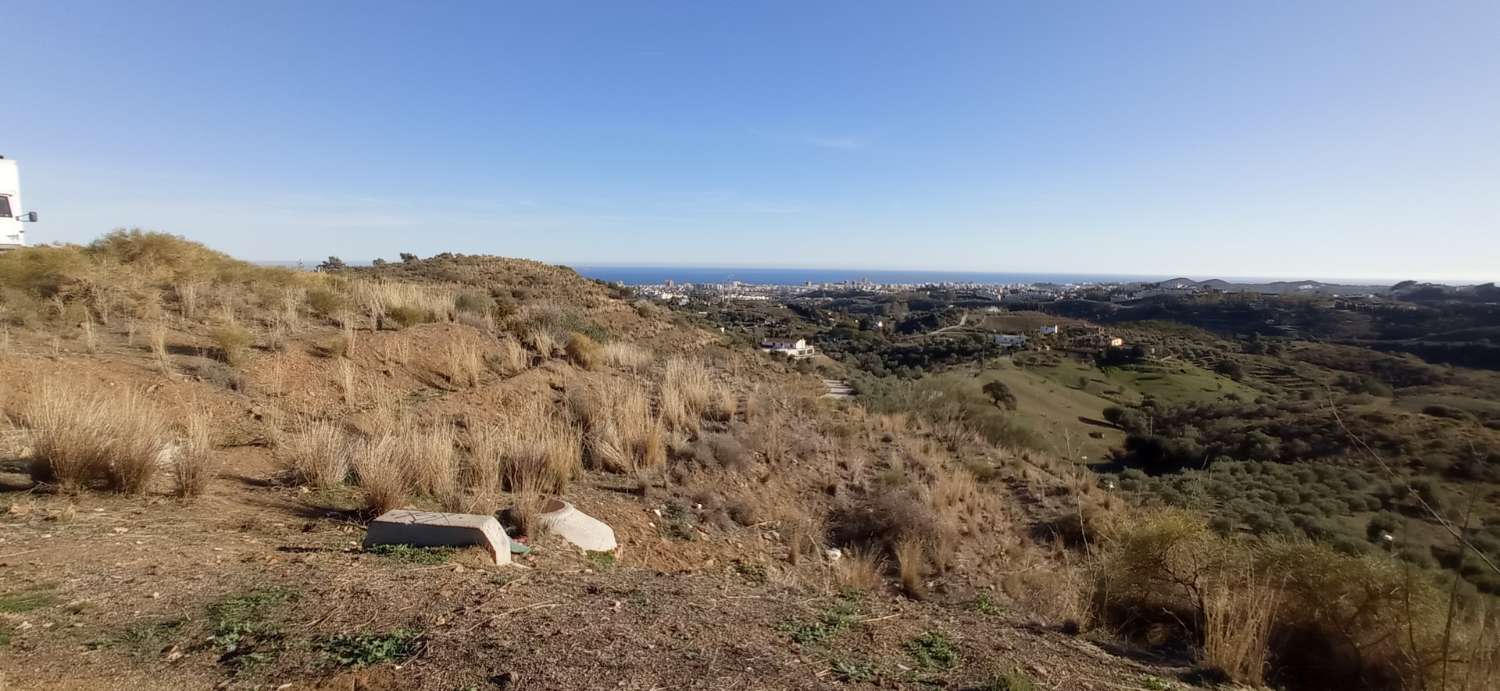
{"x":754,"y":572}
{"x":408,"y":554}
{"x":233,"y":340}
{"x":933,"y":650}
{"x":26,"y":600}
{"x":985,"y":605}
{"x":1154,"y":683}
{"x":240,"y":630}
{"x":847,"y":672}
{"x":602,"y":561}
{"x":359,"y":650}
{"x":833,"y":620}
{"x":1011,"y":680}
{"x":142,"y":637}
{"x":679,"y":522}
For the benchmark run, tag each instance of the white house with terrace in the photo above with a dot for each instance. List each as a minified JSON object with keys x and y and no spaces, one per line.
{"x":796,"y":349}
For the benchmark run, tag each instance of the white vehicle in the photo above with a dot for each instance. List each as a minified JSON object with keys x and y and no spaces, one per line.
{"x":12,"y":232}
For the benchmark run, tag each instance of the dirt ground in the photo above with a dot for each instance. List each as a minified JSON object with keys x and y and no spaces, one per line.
{"x":129,"y":585}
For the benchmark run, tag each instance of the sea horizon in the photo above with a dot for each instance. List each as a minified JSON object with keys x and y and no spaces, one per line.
{"x":648,"y":274}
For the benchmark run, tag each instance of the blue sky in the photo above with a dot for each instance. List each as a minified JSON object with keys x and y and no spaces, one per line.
{"x":1350,"y":139}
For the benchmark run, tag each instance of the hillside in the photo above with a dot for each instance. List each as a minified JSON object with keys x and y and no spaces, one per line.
{"x":192,"y":446}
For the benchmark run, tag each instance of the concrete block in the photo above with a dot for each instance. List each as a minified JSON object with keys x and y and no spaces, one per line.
{"x":564,"y":520}
{"x":432,"y":529}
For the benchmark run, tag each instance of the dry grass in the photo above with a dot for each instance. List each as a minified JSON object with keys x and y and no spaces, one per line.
{"x":509,"y":357}
{"x":81,"y":435}
{"x":463,"y":363}
{"x":540,"y":451}
{"x":583,"y":351}
{"x":479,"y":470}
{"x":194,"y":462}
{"x":317,"y":453}
{"x":346,"y":381}
{"x":233,"y":342}
{"x":377,"y":469}
{"x":90,"y":339}
{"x":805,"y":533}
{"x":428,"y":458}
{"x":159,"y":347}
{"x":689,"y":393}
{"x":620,"y":433}
{"x":405,"y":304}
{"x":860,"y":569}
{"x":1237,"y":626}
{"x":911,"y":560}
{"x":525,"y":514}
{"x":954,"y":488}
{"x":543,"y":340}
{"x":626,"y":356}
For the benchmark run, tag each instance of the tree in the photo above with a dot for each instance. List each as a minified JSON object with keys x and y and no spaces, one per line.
{"x":1000,"y":395}
{"x":408,"y":257}
{"x":378,"y":262}
{"x":331,"y":264}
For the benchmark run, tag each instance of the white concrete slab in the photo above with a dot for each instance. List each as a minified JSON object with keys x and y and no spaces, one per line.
{"x":433,"y":529}
{"x":577,"y":527}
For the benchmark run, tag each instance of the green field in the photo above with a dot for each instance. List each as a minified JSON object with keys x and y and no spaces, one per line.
{"x":1055,"y":411}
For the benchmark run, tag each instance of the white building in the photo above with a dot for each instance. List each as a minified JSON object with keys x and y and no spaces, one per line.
{"x":12,"y":216}
{"x":1010,"y":340}
{"x":1048,"y":330}
{"x":797,"y":349}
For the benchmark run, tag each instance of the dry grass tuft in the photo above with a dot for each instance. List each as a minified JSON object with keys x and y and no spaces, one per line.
{"x":626,"y":356}
{"x":911,"y":560}
{"x":194,"y":462}
{"x":428,"y":458}
{"x":583,"y":351}
{"x":543,"y":340}
{"x":1237,"y":625}
{"x":233,"y":342}
{"x":317,"y":453}
{"x":689,"y":393}
{"x":860,"y":569}
{"x":620,"y":433}
{"x":159,"y":347}
{"x":509,"y":357}
{"x":82,"y":434}
{"x":377,"y":469}
{"x":540,"y":451}
{"x":463,"y":363}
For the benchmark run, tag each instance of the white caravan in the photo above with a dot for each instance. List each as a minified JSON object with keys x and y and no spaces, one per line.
{"x":12,"y":232}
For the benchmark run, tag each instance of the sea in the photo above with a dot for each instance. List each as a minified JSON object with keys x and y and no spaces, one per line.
{"x":655,"y":275}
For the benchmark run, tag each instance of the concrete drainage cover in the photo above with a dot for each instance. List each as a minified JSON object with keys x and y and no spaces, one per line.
{"x":566,"y":521}
{"x":432,"y":529}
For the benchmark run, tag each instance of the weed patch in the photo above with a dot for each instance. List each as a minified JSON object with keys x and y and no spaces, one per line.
{"x":933,"y":650}
{"x":830,"y":623}
{"x":359,"y":650}
{"x":26,"y":600}
{"x":602,"y":561}
{"x":408,"y":554}
{"x":241,"y":633}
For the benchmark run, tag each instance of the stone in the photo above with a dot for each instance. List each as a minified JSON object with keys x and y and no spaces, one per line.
{"x":564,"y":520}
{"x":433,"y":529}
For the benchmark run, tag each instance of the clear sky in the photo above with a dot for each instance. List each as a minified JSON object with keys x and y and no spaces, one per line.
{"x":1295,"y":138}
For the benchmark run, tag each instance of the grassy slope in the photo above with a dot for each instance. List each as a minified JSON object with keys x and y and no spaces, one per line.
{"x":1051,"y":409}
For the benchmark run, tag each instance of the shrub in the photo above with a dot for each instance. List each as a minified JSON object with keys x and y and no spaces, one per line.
{"x":584,"y":351}
{"x":232,"y":340}
{"x":81,"y":434}
{"x":326,"y":302}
